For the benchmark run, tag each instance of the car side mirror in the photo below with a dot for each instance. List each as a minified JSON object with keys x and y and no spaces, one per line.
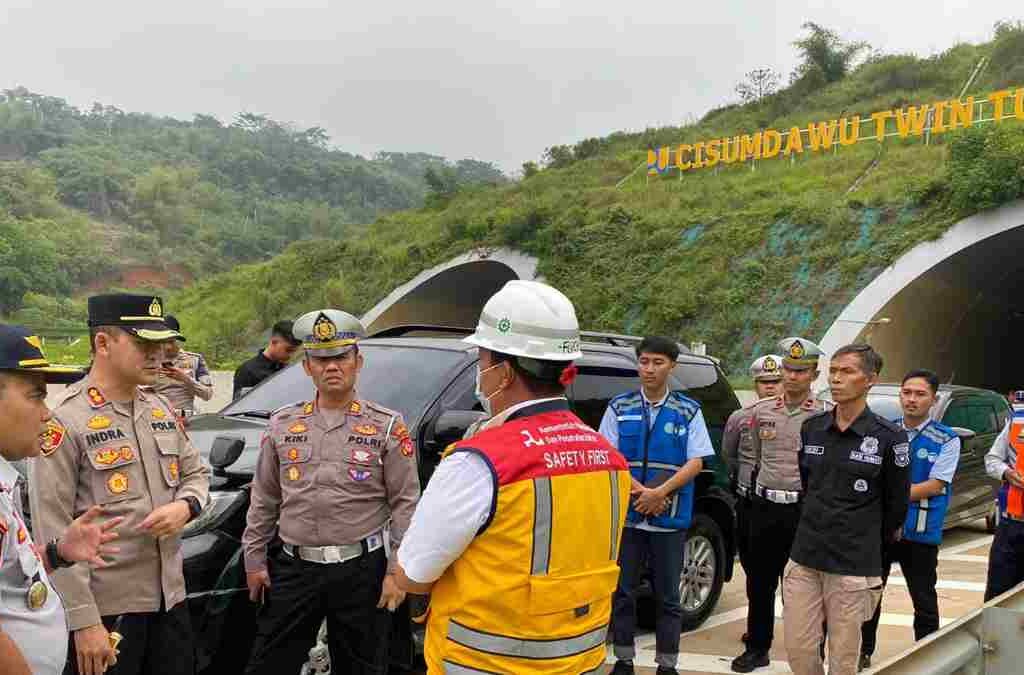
{"x":225,"y":451}
{"x":451,"y":426}
{"x":964,"y":434}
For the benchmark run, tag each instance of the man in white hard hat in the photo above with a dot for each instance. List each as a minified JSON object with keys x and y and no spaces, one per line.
{"x":332,"y":473}
{"x":516,"y":536}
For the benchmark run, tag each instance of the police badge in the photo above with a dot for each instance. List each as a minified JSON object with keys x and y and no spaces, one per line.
{"x":869,"y":446}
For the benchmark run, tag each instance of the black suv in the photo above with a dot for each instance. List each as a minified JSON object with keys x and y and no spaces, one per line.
{"x":429,"y":375}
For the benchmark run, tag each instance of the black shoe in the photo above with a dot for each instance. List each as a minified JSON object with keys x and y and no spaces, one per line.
{"x":622,"y":668}
{"x":864,"y":663}
{"x":665,"y":670}
{"x":749,"y":660}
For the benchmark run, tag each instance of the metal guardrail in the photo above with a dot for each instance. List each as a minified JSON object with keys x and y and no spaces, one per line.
{"x":989,"y":641}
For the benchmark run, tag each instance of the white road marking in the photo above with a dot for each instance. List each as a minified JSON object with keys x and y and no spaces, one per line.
{"x":973,"y":586}
{"x":702,"y":663}
{"x":961,"y":557}
{"x":966,"y":546}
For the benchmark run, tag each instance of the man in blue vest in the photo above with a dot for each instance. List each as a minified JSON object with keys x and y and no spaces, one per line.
{"x":664,"y":438}
{"x":934,"y":452}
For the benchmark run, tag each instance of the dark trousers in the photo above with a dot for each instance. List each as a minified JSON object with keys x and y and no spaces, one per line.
{"x":1006,"y":558}
{"x":302,"y":594}
{"x":772,"y":529}
{"x":157,"y":643}
{"x":919,"y":563}
{"x":663,"y":553}
{"x":743,"y":531}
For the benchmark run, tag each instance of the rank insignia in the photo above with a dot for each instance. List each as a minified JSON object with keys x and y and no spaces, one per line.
{"x":126,"y":453}
{"x":796,"y":350}
{"x":355,"y":408}
{"x":365,"y":429}
{"x":98,"y":422}
{"x":400,"y":431}
{"x":117,"y":483}
{"x":107,"y":456}
{"x":307,"y":409}
{"x":358,"y":474}
{"x":22,"y":534}
{"x":362,"y":456}
{"x":36,"y":596}
{"x":52,"y":438}
{"x":298,"y":428}
{"x":96,"y":398}
{"x":292,"y":473}
{"x":407,"y":448}
{"x":159,"y":414}
{"x":172,"y":469}
{"x":293,"y":454}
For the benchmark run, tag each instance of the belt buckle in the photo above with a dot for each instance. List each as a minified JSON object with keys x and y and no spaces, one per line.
{"x":332,"y":554}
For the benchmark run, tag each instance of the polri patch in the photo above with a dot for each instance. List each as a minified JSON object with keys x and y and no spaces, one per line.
{"x":52,"y":437}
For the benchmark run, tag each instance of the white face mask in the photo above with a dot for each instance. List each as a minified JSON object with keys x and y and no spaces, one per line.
{"x":485,"y":401}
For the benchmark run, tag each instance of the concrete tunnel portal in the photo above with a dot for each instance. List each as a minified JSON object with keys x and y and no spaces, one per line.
{"x":954,"y":305}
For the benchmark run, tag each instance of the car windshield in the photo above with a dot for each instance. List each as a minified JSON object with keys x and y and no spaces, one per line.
{"x":402,"y":378}
{"x":886,"y":405}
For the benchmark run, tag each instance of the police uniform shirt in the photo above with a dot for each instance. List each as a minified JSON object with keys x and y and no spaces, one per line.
{"x":698,"y":440}
{"x":857,"y":486}
{"x":40,"y":634}
{"x":182,"y":395}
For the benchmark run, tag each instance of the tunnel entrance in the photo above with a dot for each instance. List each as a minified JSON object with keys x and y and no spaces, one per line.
{"x":451,"y":294}
{"x":955,"y":306}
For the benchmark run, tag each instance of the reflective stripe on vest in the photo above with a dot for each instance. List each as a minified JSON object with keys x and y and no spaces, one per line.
{"x":452,"y":668}
{"x":541,"y":525}
{"x":503,"y":645}
{"x":613,"y":478}
{"x":925,"y":516}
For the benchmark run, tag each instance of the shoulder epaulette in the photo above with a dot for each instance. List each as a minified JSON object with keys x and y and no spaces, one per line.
{"x":888,"y":424}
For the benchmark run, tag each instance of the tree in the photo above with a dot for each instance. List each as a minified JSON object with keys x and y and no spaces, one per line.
{"x":559,"y":156}
{"x":757,"y":84}
{"x":530,"y":169}
{"x":825,"y":55}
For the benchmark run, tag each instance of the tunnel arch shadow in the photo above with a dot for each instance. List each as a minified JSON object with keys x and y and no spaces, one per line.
{"x":453,"y":293}
{"x":956,"y":306}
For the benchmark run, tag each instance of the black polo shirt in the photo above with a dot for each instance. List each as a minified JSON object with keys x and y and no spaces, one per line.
{"x":856,"y":488}
{"x":254,"y":371}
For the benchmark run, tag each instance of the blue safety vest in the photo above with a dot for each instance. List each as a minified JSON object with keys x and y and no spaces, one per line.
{"x":925,"y":517}
{"x":655,"y":453}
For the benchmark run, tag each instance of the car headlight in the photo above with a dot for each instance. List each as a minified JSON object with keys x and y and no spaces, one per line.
{"x":220,"y":506}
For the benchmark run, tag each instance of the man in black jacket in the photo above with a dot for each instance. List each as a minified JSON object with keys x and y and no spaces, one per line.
{"x":267,"y":361}
{"x":854,"y":468}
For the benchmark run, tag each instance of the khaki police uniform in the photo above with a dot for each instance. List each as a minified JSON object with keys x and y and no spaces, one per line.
{"x":31,"y":612}
{"x":330,"y":482}
{"x":182,"y":395}
{"x":776,"y":496}
{"x":131,"y":457}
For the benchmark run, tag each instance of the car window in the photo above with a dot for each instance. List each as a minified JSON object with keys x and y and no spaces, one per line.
{"x":975,"y":414}
{"x":402,"y":378}
{"x":595,"y":386}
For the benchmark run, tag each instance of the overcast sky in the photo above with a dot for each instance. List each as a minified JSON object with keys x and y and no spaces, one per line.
{"x":498,"y":81}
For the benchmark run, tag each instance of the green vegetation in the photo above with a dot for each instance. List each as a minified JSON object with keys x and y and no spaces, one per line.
{"x":86,"y":195}
{"x":736,"y":257}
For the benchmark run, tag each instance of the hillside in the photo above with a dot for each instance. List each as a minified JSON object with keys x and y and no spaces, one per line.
{"x":104,"y":198}
{"x":735,"y":257}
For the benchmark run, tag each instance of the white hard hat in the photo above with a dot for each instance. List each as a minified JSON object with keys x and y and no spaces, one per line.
{"x":529,"y":319}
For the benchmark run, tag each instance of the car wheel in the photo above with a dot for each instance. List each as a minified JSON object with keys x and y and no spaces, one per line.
{"x":703,"y":574}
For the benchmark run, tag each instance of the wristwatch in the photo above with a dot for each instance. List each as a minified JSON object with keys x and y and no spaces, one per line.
{"x":194,"y":508}
{"x":53,"y":556}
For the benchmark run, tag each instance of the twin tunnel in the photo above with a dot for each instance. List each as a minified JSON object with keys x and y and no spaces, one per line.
{"x":954,"y":305}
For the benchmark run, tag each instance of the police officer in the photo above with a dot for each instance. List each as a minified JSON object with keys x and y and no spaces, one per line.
{"x":775,"y":425}
{"x":518,"y":530}
{"x":332,"y":472}
{"x":115,"y":443}
{"x":854,"y":468}
{"x":664,"y":437}
{"x":33,"y":631}
{"x":183,"y":375}
{"x":1005,"y":462}
{"x":934,"y":454}
{"x":737,"y":449}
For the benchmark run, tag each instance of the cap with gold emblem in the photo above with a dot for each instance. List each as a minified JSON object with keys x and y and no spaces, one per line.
{"x":140,"y":315}
{"x":328,"y":332}
{"x":22,"y":351}
{"x":799,"y":353}
{"x":766,"y":368}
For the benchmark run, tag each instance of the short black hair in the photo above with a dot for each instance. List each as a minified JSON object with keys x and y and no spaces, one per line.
{"x":870,"y":360}
{"x":283,"y":329}
{"x":927,"y":375}
{"x":656,"y":344}
{"x":543,"y":378}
